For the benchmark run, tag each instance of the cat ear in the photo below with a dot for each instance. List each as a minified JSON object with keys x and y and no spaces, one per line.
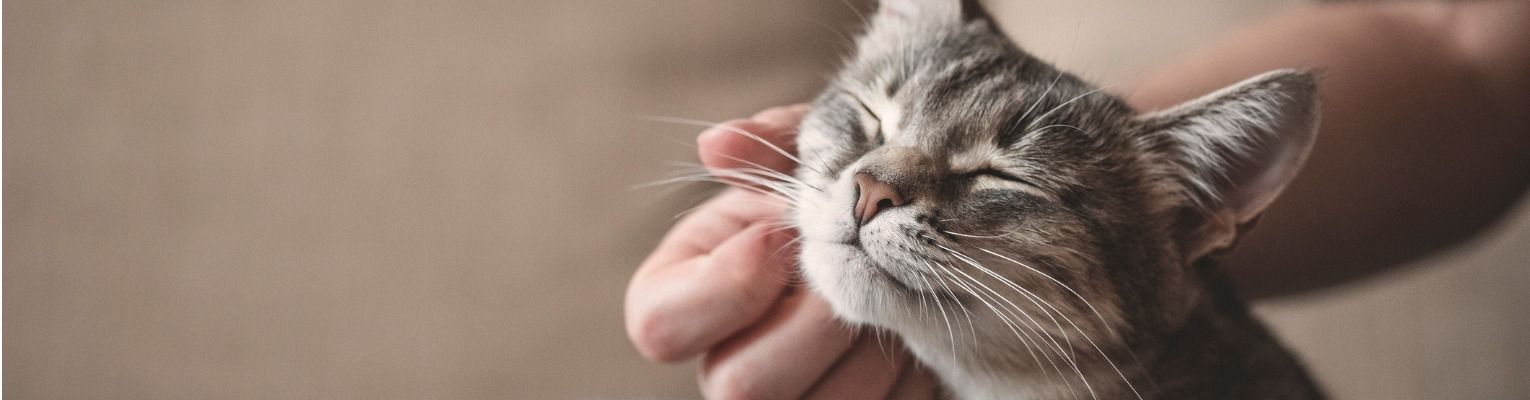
{"x":1235,"y":150}
{"x":942,"y":11}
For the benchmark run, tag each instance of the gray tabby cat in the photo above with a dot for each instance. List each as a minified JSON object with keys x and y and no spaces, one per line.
{"x":1031,"y":237}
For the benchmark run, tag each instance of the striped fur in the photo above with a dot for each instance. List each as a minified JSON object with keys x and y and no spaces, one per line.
{"x":1054,"y":243}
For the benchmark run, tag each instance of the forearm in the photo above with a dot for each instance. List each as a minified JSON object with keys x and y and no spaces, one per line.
{"x":1424,"y":140}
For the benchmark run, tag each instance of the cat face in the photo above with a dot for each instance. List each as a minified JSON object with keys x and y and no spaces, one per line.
{"x":952,"y":186}
{"x":952,"y":167}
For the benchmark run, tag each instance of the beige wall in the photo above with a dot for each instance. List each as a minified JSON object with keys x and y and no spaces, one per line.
{"x":365,"y":199}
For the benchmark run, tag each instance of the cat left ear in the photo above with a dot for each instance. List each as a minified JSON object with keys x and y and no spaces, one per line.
{"x":945,"y":11}
{"x":1235,"y":150}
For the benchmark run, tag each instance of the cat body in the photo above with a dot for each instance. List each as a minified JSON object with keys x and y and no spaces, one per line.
{"x":1029,"y":236}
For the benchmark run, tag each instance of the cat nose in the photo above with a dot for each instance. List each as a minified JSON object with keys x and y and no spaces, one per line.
{"x":875,"y":196}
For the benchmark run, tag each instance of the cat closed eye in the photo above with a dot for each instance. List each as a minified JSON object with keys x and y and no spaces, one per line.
{"x":990,"y":172}
{"x":871,"y":124}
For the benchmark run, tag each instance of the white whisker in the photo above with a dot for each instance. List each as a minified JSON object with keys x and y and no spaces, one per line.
{"x":1044,"y":116}
{"x":1058,"y":346}
{"x":741,"y":132}
{"x":1091,"y":308}
{"x":1080,"y":130}
{"x":954,"y":301}
{"x":761,"y":169}
{"x":775,"y":191}
{"x":1025,"y":338}
{"x":1028,"y":110}
{"x":1006,"y":234}
{"x":951,"y":333}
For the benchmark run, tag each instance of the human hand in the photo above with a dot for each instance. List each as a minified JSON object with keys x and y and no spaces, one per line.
{"x":719,"y":284}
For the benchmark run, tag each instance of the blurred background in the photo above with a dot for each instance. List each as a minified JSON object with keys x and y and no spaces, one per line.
{"x":383,"y":199}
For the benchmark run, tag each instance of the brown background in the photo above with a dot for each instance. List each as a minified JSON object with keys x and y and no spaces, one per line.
{"x":381,"y":199}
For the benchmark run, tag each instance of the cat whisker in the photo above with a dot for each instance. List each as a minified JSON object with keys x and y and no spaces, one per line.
{"x":783,"y":227}
{"x":695,"y":170}
{"x":692,"y":209}
{"x":1029,"y":296}
{"x":971,"y":327}
{"x":759,"y":177}
{"x":1080,"y":130}
{"x":951,"y":333}
{"x":857,"y":11}
{"x":924,"y":308}
{"x":1046,"y":307}
{"x":761,"y":169}
{"x":1096,"y":312}
{"x":757,"y":168}
{"x":1044,"y":116}
{"x":1080,"y":297}
{"x":708,"y":177}
{"x":1058,"y":347}
{"x":774,"y":186}
{"x":755,"y":171}
{"x":1028,"y":110}
{"x":1006,"y":234}
{"x":740,"y":132}
{"x":847,"y":44}
{"x":974,"y":263}
{"x":1038,"y":232}
{"x":1043,"y":95}
{"x":1025,"y":338}
{"x":878,"y":334}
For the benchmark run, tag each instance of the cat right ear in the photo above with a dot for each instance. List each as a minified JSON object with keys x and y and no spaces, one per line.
{"x":1233,"y":151}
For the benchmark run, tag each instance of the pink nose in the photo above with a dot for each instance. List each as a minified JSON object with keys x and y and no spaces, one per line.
{"x":875,"y":197}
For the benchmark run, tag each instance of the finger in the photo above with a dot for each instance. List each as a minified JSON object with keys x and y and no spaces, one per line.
{"x":710,"y":224}
{"x":677,"y":311}
{"x":867,"y":372}
{"x":789,"y":116}
{"x":915,"y":383}
{"x":753,"y":143}
{"x":781,"y":357}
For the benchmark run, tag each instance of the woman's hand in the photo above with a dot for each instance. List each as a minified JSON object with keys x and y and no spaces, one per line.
{"x":720,"y":284}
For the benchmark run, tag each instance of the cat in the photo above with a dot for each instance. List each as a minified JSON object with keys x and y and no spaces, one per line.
{"x":1029,"y":236}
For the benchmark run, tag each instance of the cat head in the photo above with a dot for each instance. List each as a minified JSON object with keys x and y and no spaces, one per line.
{"x":944,"y":168}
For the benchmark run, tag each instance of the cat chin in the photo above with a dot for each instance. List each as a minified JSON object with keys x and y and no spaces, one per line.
{"x":860,"y":291}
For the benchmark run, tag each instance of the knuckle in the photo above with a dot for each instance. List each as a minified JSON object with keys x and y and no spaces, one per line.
{"x":734,"y":382}
{"x":655,"y":339}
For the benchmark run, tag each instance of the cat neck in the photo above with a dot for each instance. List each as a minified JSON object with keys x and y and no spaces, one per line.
{"x":1222,"y":351}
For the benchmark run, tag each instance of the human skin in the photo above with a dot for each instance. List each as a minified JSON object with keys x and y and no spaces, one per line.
{"x":1425,"y":139}
{"x":719,"y":284}
{"x":1424,"y":143}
